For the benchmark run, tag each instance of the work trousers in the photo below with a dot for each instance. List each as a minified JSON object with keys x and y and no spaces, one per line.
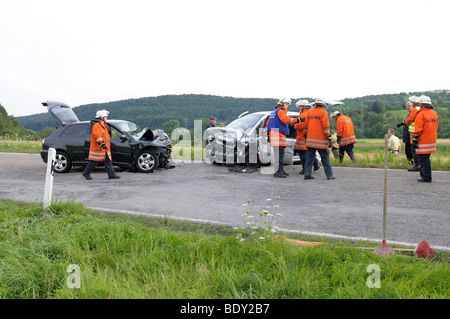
{"x":415,"y":156}
{"x":346,"y":149}
{"x":279,"y":157}
{"x":425,"y":166}
{"x":93,"y":164}
{"x":324,"y":156}
{"x":408,"y":153}
{"x":302,"y":155}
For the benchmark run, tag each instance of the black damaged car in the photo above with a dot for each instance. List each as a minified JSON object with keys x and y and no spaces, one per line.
{"x":144,"y":151}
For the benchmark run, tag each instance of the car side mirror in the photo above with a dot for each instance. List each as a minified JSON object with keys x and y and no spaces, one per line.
{"x":123,"y":137}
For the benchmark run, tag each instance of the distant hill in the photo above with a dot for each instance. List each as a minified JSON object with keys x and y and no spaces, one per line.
{"x":372,"y":115}
{"x":12,"y":127}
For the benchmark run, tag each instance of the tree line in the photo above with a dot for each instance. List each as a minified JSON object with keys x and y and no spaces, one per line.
{"x":9,"y":126}
{"x":372,"y":115}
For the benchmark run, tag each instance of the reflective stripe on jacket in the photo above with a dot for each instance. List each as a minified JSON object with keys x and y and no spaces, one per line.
{"x":345,"y":130}
{"x":300,"y":143}
{"x":280,"y":121}
{"x":317,"y":128}
{"x":99,"y":135}
{"x":277,"y":139}
{"x":426,"y":124}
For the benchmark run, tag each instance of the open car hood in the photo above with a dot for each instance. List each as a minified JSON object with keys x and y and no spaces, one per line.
{"x":61,"y":111}
{"x":153,"y":136}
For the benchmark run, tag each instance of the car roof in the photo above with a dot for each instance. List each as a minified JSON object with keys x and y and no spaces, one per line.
{"x":268,"y":112}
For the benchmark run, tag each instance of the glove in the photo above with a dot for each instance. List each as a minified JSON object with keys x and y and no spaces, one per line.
{"x":415,"y":139}
{"x":103,"y":145}
{"x":301,"y":119}
{"x":330,"y":144}
{"x":401,"y":124}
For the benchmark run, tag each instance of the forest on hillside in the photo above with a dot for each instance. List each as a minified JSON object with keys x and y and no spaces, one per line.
{"x":372,"y":115}
{"x":9,"y":126}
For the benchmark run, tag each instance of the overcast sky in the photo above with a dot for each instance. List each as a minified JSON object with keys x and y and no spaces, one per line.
{"x":81,"y":52}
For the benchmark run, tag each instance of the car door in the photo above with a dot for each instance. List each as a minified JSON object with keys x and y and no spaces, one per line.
{"x":73,"y":139}
{"x":264,"y":149}
{"x":121,"y":148}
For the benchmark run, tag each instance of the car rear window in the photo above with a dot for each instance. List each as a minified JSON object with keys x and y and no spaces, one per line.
{"x":77,"y":130}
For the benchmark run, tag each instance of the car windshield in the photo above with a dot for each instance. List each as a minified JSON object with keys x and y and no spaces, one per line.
{"x":245,"y":123}
{"x":126,"y":126}
{"x":137,"y":136}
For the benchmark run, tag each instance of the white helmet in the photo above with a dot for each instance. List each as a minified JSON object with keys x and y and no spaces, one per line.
{"x":319,"y":101}
{"x":414,"y":99}
{"x":425,"y":100}
{"x":285,"y":100}
{"x":335,"y":113}
{"x":101,"y":113}
{"x":302,"y":103}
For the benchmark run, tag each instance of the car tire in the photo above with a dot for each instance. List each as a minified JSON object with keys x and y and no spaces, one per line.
{"x":146,"y":162}
{"x":63,"y":163}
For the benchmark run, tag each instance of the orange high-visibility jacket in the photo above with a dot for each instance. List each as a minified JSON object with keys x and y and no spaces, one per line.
{"x":300,"y":143}
{"x":410,"y":120}
{"x":317,"y":128}
{"x":345,"y":130}
{"x":99,"y":135}
{"x":277,"y":138}
{"x":426,"y":125}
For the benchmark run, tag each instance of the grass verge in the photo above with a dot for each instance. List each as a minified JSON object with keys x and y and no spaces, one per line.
{"x":134,"y":257}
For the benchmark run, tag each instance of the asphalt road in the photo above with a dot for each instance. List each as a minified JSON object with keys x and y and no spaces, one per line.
{"x":351,"y":206}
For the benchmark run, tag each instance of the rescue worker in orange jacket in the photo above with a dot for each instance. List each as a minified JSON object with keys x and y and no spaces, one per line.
{"x":100,"y":149}
{"x":345,"y":133}
{"x":318,"y":138}
{"x":300,"y":143}
{"x":278,"y":128}
{"x":425,"y":137}
{"x":409,"y":122}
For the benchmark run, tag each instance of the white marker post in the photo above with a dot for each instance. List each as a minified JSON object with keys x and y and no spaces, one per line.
{"x":49,"y":178}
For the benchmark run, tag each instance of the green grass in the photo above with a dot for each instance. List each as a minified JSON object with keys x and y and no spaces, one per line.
{"x":370,"y":153}
{"x":129,"y":257}
{"x":19,"y":146}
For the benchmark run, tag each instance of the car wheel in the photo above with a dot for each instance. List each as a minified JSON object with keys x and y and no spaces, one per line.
{"x":63,"y":163}
{"x":146,"y":162}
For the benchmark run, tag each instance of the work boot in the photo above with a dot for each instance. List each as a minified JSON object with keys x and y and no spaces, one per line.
{"x":331,"y":177}
{"x":284,"y":172}
{"x":316,"y":167}
{"x":302,"y":172}
{"x":423,"y":181}
{"x":414,"y":169}
{"x":114,"y":176}
{"x":279,"y":174}
{"x":87,"y":176}
{"x":309,"y":177}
